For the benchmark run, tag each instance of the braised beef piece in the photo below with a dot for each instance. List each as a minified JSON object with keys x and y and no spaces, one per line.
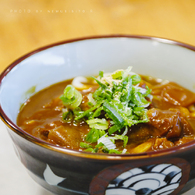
{"x":174,"y":94}
{"x":170,"y":123}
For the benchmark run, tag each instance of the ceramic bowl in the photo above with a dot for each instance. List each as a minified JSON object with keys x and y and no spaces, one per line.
{"x":64,"y":171}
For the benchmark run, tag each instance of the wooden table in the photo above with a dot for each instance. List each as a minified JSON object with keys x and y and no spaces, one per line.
{"x":28,"y":25}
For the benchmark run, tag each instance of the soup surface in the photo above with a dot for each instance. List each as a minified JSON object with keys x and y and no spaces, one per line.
{"x":121,"y":112}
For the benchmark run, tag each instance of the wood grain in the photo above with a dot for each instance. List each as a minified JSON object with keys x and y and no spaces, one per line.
{"x":28,"y":25}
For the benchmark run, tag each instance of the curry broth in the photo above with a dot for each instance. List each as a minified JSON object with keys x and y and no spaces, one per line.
{"x":43,"y":113}
{"x":41,"y":116}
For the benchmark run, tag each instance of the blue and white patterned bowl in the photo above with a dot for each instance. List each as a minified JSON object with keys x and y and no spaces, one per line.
{"x":64,"y":171}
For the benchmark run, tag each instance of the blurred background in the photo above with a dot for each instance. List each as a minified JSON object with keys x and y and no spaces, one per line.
{"x":26,"y":25}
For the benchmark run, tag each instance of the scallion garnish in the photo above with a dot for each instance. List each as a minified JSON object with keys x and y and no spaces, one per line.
{"x":97,"y":123}
{"x":71,"y":97}
{"x":116,"y":105}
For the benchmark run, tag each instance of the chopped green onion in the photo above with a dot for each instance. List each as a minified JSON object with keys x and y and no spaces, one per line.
{"x":94,"y":135}
{"x":116,"y":105}
{"x":69,"y":92}
{"x":91,"y":100}
{"x":124,"y":138}
{"x":85,"y":145}
{"x":113,"y":151}
{"x":88,"y":111}
{"x":113,"y":113}
{"x":117,"y":74}
{"x":71,"y":97}
{"x":101,"y":74}
{"x":135,"y":79}
{"x":107,"y":142}
{"x":97,"y":112}
{"x":113,"y":129}
{"x":100,"y":83}
{"x":90,"y":150}
{"x":97,"y":123}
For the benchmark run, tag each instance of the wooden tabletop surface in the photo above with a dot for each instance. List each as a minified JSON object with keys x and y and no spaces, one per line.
{"x":28,"y":25}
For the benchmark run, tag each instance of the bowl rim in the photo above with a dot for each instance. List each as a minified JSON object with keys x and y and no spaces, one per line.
{"x":8,"y":122}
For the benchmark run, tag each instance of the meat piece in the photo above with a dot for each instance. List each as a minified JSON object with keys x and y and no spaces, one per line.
{"x":184,"y":140}
{"x":166,"y":121}
{"x":170,"y":123}
{"x":191,"y":121}
{"x":162,"y":143}
{"x":140,"y":133}
{"x":160,"y":103}
{"x":174,"y":94}
{"x":65,"y":136}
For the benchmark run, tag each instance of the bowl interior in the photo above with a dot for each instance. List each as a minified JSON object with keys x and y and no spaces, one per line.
{"x":156,"y":57}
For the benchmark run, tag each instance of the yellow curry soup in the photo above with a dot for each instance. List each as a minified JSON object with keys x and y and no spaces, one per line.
{"x":67,"y":114}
